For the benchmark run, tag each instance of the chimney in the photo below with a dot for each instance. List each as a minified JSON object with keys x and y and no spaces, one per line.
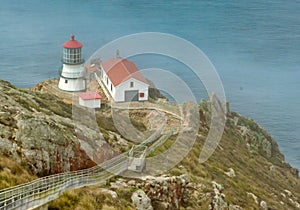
{"x":118,"y":54}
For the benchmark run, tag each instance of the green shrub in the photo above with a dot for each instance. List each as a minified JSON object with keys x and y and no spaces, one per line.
{"x":67,"y":201}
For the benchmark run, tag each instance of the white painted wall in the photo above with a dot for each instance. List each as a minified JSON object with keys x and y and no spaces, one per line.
{"x":93,"y":103}
{"x":72,"y":84}
{"x":119,"y":93}
{"x":72,"y":71}
{"x":108,"y":85}
{"x":73,"y":74}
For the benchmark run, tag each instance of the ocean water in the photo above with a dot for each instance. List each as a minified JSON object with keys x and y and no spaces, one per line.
{"x":254,"y":45}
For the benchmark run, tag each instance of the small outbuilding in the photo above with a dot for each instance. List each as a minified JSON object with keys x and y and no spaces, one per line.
{"x":90,"y":100}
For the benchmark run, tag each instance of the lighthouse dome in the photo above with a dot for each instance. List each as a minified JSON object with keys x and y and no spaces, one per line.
{"x":71,"y":44}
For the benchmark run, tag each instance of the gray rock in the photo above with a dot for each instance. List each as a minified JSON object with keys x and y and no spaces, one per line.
{"x":254,"y":197}
{"x":110,"y":192}
{"x":288,"y":193}
{"x":141,"y":200}
{"x":297,"y":205}
{"x":181,"y":167}
{"x":263,"y":205}
{"x":36,"y":128}
{"x":7,"y":170}
{"x":218,"y":201}
{"x":230,"y":173}
{"x":234,"y":207}
{"x":272,"y":168}
{"x":131,"y":182}
{"x":118,"y":185}
{"x":217,"y":186}
{"x":283,"y":195}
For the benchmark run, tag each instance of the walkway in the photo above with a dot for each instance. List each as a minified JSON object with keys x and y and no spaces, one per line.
{"x":43,"y":190}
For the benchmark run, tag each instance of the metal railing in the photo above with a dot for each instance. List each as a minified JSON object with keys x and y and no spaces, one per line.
{"x":43,"y":190}
{"x":102,"y":86}
{"x":174,"y":110}
{"x":160,"y":141}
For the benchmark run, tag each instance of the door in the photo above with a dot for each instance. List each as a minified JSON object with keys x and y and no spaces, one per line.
{"x":131,"y":95}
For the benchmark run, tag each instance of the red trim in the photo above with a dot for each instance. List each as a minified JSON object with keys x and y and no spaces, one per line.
{"x":89,"y":96}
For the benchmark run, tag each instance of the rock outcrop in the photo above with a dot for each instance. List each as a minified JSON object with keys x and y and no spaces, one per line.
{"x":246,"y":170}
{"x":218,"y":201}
{"x":141,"y":200}
{"x":36,"y":129}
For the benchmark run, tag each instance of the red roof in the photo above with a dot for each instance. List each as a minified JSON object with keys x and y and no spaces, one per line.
{"x":120,"y":69}
{"x":89,"y":95}
{"x":72,"y":43}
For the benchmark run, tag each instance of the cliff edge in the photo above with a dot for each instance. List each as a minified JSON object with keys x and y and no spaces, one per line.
{"x":247,"y":170}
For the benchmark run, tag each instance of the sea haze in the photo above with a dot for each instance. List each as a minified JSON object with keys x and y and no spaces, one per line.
{"x":254,"y":45}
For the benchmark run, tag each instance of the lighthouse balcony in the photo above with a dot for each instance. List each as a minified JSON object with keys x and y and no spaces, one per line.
{"x":72,"y":61}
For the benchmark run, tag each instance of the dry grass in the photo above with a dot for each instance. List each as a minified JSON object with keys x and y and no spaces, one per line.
{"x":13,"y":173}
{"x":89,"y":198}
{"x":252,"y":175}
{"x":252,"y":168}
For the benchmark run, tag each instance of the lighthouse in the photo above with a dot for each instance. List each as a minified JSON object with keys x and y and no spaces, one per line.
{"x":72,"y":72}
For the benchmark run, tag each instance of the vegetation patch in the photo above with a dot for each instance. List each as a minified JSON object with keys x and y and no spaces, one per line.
{"x":13,"y":173}
{"x":90,"y":198}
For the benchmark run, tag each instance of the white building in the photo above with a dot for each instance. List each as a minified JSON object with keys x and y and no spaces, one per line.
{"x":123,"y":80}
{"x":72,"y":73}
{"x":90,"y":100}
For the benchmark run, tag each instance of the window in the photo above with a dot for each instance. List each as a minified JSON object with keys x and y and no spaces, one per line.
{"x":111,"y":87}
{"x":131,"y":84}
{"x":142,"y":95}
{"x":107,"y":80}
{"x":66,"y":81}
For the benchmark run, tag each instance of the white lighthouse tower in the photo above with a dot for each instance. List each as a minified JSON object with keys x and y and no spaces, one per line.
{"x":72,"y":73}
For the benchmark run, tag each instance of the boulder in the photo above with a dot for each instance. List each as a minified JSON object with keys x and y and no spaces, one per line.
{"x":110,"y":192}
{"x":141,"y":200}
{"x":218,"y":201}
{"x":254,"y":197}
{"x":263,"y":205}
{"x":230,"y":173}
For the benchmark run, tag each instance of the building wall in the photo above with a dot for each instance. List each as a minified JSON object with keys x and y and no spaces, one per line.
{"x":71,"y":78}
{"x":108,"y":84}
{"x":93,"y":103}
{"x":119,"y":94}
{"x":71,"y":84}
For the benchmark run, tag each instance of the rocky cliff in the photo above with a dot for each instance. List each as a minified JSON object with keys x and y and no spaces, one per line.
{"x":247,"y":170}
{"x":36,"y":129}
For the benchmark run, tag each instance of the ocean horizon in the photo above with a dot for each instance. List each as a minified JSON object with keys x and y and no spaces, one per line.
{"x":254,"y":46}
